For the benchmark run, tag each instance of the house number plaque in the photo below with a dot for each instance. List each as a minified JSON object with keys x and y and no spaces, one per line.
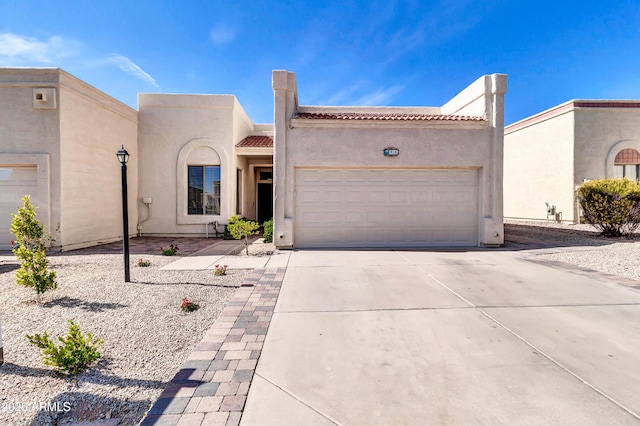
{"x":391,"y":152}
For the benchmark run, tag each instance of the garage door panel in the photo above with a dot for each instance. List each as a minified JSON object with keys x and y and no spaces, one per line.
{"x":333,"y":196}
{"x":399,"y":196}
{"x":463,"y":235}
{"x":419,"y":196}
{"x":464,"y":197}
{"x":465,"y":177}
{"x":376,"y":218}
{"x":354,"y":196}
{"x":441,"y":196}
{"x":386,"y":207}
{"x":15,"y":183}
{"x":310,"y":195}
{"x":376,"y":196}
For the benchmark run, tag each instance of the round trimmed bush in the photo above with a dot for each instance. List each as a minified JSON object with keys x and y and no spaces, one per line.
{"x":611,"y":205}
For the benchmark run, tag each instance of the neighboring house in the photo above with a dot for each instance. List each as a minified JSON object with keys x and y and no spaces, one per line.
{"x":330,"y":176}
{"x":389,"y":177}
{"x":58,"y":139}
{"x":548,"y":155}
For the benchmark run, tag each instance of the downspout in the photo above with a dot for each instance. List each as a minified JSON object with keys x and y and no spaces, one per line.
{"x":147,"y":202}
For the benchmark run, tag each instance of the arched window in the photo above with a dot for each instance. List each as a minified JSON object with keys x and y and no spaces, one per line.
{"x":203,"y":181}
{"x":627,"y":164}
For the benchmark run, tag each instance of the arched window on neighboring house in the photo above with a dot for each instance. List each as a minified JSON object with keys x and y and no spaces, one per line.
{"x":627,"y":164}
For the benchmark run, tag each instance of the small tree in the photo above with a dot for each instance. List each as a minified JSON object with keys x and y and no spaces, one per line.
{"x":75,"y":354}
{"x":242,"y":229}
{"x":611,"y":205}
{"x":29,"y":247}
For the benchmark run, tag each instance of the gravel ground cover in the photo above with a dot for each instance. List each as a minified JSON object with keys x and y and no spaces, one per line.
{"x":581,"y":245}
{"x":147,"y":337}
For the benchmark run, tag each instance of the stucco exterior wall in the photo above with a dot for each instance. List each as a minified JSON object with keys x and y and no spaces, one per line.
{"x":179,"y":130}
{"x":242,"y":163}
{"x":600,"y":134}
{"x":538,"y":168}
{"x":425,"y":144}
{"x":93,"y":127}
{"x":30,"y":134}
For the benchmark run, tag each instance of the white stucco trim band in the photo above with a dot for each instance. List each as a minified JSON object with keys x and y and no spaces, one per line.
{"x":256,"y":151}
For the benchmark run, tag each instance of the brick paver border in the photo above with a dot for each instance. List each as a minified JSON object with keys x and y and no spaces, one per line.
{"x":211,"y":387}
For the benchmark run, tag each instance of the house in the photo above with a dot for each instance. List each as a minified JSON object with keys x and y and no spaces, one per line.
{"x":58,"y":139}
{"x":204,"y":161}
{"x":389,"y":177}
{"x":330,"y":176}
{"x":548,"y":155}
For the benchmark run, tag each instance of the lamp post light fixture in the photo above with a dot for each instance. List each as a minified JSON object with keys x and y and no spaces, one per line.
{"x":1,"y":349}
{"x":123,"y":157}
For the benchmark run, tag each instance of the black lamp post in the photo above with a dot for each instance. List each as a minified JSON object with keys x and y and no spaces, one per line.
{"x":123,"y":157}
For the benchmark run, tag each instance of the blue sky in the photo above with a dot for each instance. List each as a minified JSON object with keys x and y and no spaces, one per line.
{"x":400,"y":53}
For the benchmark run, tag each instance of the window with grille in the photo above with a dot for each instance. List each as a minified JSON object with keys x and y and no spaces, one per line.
{"x":204,"y":190}
{"x":627,"y":164}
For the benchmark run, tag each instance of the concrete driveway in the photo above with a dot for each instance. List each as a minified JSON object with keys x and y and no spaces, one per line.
{"x":475,"y":337}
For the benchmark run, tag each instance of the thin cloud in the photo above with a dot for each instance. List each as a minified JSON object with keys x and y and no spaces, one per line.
{"x":126,"y":65}
{"x":380,"y":97}
{"x":222,"y":35}
{"x":16,"y":48}
{"x":339,"y":96}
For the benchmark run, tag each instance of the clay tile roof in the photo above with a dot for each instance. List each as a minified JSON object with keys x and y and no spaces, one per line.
{"x":256,"y":142}
{"x":384,"y":116}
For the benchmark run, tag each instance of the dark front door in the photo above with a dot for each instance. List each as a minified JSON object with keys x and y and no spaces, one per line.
{"x":265,"y":202}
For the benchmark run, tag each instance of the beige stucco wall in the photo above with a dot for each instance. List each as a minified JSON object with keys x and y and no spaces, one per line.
{"x":538,"y":168}
{"x":299,"y":143}
{"x":93,"y":127}
{"x":600,"y":134}
{"x":30,"y":134}
{"x":177,"y":130}
{"x":248,"y":158}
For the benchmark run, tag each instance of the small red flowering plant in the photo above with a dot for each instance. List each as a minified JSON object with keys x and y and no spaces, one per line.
{"x":143,"y":263}
{"x":189,"y":306}
{"x":220,"y":270}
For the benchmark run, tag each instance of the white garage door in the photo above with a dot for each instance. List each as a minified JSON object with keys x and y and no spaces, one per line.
{"x":386,"y":207}
{"x":15,"y":183}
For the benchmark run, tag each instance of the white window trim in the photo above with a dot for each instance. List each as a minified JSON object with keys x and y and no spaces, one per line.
{"x":615,"y":149}
{"x":182,"y":182}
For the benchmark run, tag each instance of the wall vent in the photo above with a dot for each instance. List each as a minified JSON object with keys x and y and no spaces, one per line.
{"x":44,"y":98}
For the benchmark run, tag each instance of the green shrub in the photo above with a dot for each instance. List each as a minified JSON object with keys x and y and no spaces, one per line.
{"x":171,"y":251}
{"x":268,"y":231}
{"x":242,"y":228}
{"x":29,"y":247}
{"x":231,"y":221}
{"x":611,"y":205}
{"x":76,"y":353}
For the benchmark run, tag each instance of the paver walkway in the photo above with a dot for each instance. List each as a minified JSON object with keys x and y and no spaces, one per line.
{"x":212,"y":385}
